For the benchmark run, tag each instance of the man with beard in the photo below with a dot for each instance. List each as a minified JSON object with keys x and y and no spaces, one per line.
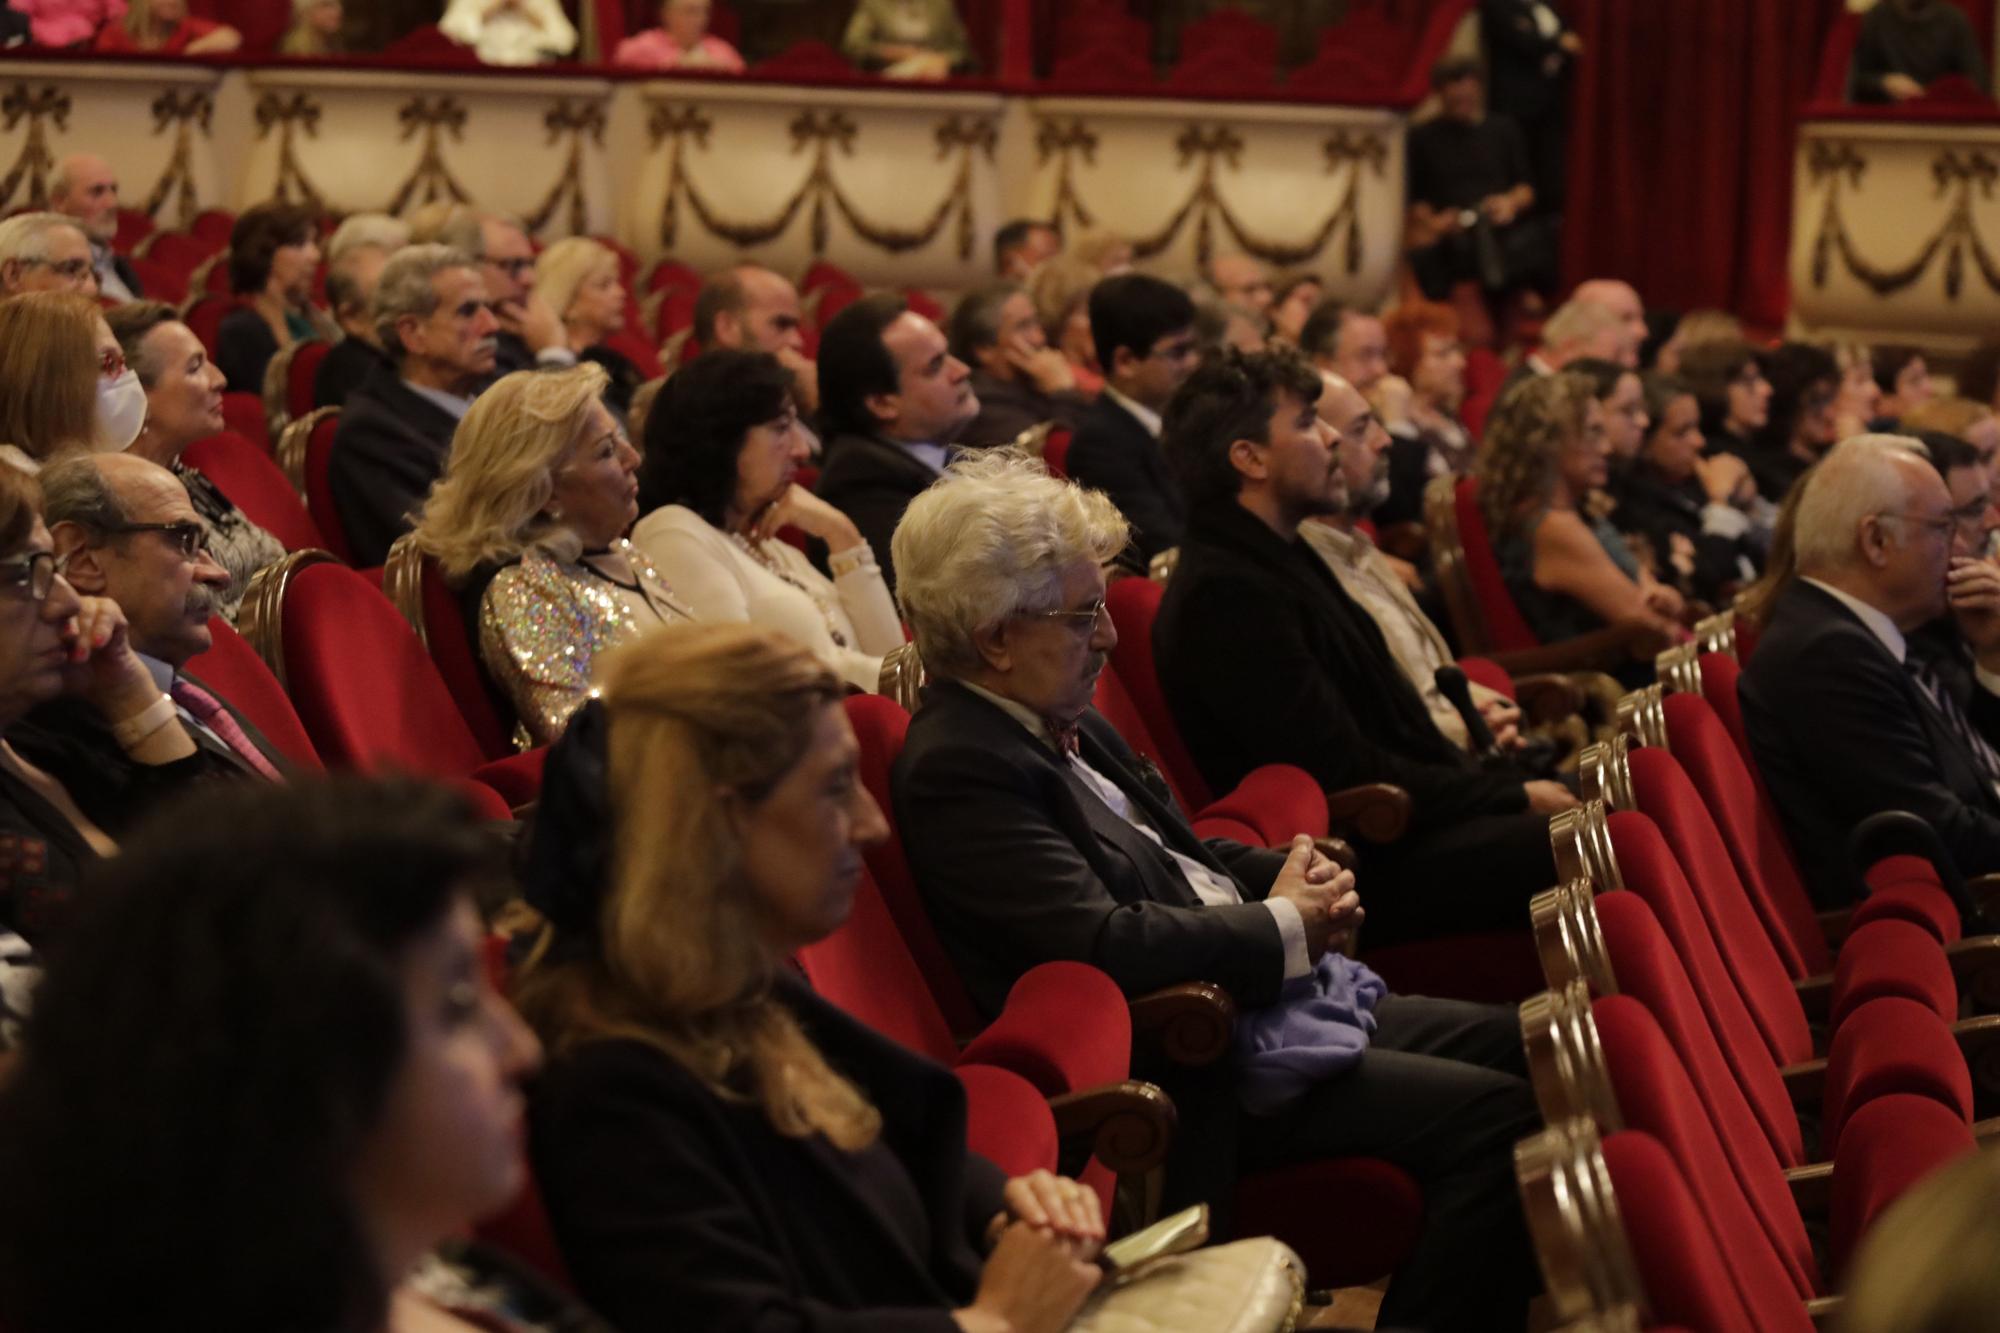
{"x":85,"y":189}
{"x":123,"y":528}
{"x":1264,"y":658}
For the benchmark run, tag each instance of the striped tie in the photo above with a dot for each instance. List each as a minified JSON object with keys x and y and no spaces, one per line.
{"x":1982,"y":754}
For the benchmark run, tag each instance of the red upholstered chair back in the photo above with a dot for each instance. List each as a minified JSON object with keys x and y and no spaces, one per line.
{"x":363,"y":684}
{"x":638,"y":351}
{"x":212,"y":226}
{"x":162,"y":282}
{"x":1487,"y":672}
{"x":244,"y":414}
{"x":1226,"y":51}
{"x":180,"y":251}
{"x":1664,"y":792}
{"x":1113,"y":699}
{"x":319,"y":488}
{"x":232,"y":671}
{"x":1506,"y":631}
{"x":204,"y":317}
{"x":253,"y":483}
{"x":866,"y":969}
{"x":879,"y":727}
{"x":836,"y":287}
{"x":1767,"y":1251}
{"x":1135,"y":604}
{"x":671,"y":272}
{"x":134,"y":226}
{"x":1055,"y":451}
{"x":1903,"y":1138}
{"x":300,"y":375}
{"x":457,"y":661}
{"x":1750,"y":830}
{"x":1719,"y":677}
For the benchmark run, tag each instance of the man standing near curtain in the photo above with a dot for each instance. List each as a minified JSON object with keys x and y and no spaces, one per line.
{"x":1529,"y":51}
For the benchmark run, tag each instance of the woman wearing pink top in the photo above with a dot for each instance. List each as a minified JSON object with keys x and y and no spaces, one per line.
{"x":682,"y":41}
{"x":67,"y":22}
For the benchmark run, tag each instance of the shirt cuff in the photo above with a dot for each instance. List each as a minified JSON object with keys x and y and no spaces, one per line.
{"x":1291,"y":929}
{"x":555,"y":356}
{"x":1721,"y":520}
{"x":1988,"y":680}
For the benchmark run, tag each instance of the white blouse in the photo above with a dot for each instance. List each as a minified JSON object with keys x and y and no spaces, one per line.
{"x":725,"y":582}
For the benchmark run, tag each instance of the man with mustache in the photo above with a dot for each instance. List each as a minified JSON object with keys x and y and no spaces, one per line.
{"x":123,"y":528}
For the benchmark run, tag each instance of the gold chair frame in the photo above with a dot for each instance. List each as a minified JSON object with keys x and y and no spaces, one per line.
{"x":1580,"y":837}
{"x":277,"y":385}
{"x":293,"y":443}
{"x":1604,"y":773}
{"x":1573,"y":1217}
{"x":1643,"y":715}
{"x":262,"y":617}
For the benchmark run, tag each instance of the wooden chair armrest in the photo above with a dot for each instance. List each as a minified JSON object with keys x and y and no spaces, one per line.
{"x":1599,"y":650}
{"x":1984,"y":891}
{"x":1806,"y":1082}
{"x":1835,"y":925}
{"x":1975,"y":964}
{"x":1377,"y":811}
{"x":1548,"y":696}
{"x":1812,"y":1188}
{"x":1815,"y":996}
{"x":1130,"y":1124}
{"x":1824,"y":1311}
{"x":1193,"y":1022}
{"x":1337,"y":850}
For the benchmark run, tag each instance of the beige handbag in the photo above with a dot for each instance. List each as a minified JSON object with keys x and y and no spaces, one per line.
{"x":1163,"y":1285}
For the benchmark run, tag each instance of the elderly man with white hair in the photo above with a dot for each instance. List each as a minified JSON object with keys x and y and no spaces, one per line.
{"x":1844,"y":718}
{"x":1036,"y":834}
{"x":44,"y":252}
{"x":84,"y":188}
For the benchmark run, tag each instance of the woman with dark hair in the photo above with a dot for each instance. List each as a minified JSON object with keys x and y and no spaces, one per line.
{"x":723,"y":449}
{"x":267,"y":1084}
{"x":273,"y":254}
{"x":1802,"y":424}
{"x":1727,"y":378}
{"x":1691,"y":511}
{"x":1424,"y":349}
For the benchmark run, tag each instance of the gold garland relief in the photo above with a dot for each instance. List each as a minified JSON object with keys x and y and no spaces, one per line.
{"x":290,"y":117}
{"x":35,"y":162}
{"x":185,"y":112}
{"x":1961,"y":176}
{"x":433,"y":118}
{"x":579,"y":121}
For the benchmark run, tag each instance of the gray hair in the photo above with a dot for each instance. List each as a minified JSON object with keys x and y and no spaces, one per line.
{"x":26,"y":235}
{"x":976,"y":321}
{"x":1577,"y":321}
{"x":406,"y":288}
{"x":1858,"y":478}
{"x":989,"y":540}
{"x":74,"y":491}
{"x":367,"y":231}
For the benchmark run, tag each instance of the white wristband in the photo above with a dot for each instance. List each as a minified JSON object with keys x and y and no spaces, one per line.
{"x":135,"y":729}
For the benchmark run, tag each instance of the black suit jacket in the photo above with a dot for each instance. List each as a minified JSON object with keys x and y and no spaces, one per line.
{"x":872,"y":481}
{"x":1113,"y":452}
{"x":128,"y":275}
{"x":676,"y":1209}
{"x":1265,"y":659}
{"x":390,"y":447}
{"x":1020,"y":862}
{"x":346,"y":366}
{"x":1841,"y":731}
{"x":1526,"y":68}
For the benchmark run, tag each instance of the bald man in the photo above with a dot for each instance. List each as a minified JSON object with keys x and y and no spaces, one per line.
{"x":754,"y":309}
{"x":1622,"y":300}
{"x":84,"y":188}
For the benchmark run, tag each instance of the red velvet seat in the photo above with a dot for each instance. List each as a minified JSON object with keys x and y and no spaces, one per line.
{"x":419,"y":591}
{"x":1055,"y":451}
{"x":244,"y":414}
{"x":253,"y":483}
{"x":178,"y":251}
{"x":160,"y":282}
{"x":1226,"y":52}
{"x":233,"y":671}
{"x":638,"y":351}
{"x":827,"y":289}
{"x":1506,"y":630}
{"x":319,"y":488}
{"x":1904,"y":1139}
{"x":300,"y":375}
{"x":203,"y":314}
{"x":134,"y":226}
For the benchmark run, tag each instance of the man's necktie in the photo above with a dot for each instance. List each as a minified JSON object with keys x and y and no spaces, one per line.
{"x":1062,"y":735}
{"x":1984,"y":758}
{"x":208,"y":710}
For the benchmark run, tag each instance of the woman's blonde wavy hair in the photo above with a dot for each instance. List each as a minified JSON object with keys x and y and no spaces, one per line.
{"x":487,"y":508}
{"x":1525,"y":437}
{"x":566,"y":266}
{"x":694,"y":711}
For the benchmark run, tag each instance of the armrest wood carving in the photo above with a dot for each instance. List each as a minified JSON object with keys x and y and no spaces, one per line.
{"x":1192,"y":1022}
{"x":1130,"y":1123}
{"x":1377,"y":811}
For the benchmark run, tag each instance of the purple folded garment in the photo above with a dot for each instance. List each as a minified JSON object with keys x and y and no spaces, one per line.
{"x":1317,"y":1028}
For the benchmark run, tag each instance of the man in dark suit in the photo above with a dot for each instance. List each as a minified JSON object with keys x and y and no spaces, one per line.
{"x":1845,"y":720}
{"x":431,"y":314}
{"x":1021,"y":381}
{"x":1144,"y":331}
{"x":892,"y":400}
{"x":1531,"y":50}
{"x":125,"y":530}
{"x":1035,"y":835}
{"x":1264,"y":658}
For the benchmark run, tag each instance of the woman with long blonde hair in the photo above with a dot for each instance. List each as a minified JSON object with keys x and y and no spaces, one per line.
{"x":717,"y":1147}
{"x":579,"y":278}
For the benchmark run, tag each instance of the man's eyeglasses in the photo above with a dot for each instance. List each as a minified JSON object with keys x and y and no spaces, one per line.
{"x":70,"y":269}
{"x":36,"y":572}
{"x":189,"y":536}
{"x":1083,"y":619}
{"x":513,"y":268}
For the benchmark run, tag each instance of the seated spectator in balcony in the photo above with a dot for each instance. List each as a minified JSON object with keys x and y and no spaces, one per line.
{"x":356,"y":255}
{"x":1061,"y":293}
{"x":908,"y":39}
{"x":1904,"y":380}
{"x":64,"y":384}
{"x":578,"y":278}
{"x":67,"y":23}
{"x":682,"y":41}
{"x":1904,"y":46}
{"x":44,"y":252}
{"x":894,"y":400}
{"x":1292,"y":303}
{"x":1022,"y":246}
{"x":1421,"y":338}
{"x":717,"y":487}
{"x":1967,"y":419}
{"x":273,"y":256}
{"x":1021,"y":380}
{"x":1241,"y":280}
{"x":530,"y":333}
{"x":528,"y":524}
{"x":510,"y":32}
{"x":165,"y":28}
{"x":1698,"y":513}
{"x":1472,"y":196}
{"x":339,"y":1098}
{"x":752,"y":309}
{"x":395,"y":431}
{"x":718,"y":1147}
{"x":1570,"y":574}
{"x":1735,"y":395}
{"x":315,"y":30}
{"x":1144,"y":330}
{"x":184,"y":404}
{"x":1034,"y":836}
{"x":85,"y":189}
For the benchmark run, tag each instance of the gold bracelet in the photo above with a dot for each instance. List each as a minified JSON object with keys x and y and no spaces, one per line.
{"x":134,"y":730}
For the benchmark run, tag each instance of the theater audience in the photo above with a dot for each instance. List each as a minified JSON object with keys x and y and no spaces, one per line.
{"x":67,"y":23}
{"x":1622,"y":398}
{"x":44,"y":252}
{"x":510,"y":32}
{"x":64,"y":384}
{"x":1904,"y":46}
{"x":893,"y":399}
{"x":1472,"y":196}
{"x":184,"y":404}
{"x":1350,"y":343}
{"x":530,"y":334}
{"x":528,"y":525}
{"x":682,"y":41}
{"x":165,"y":28}
{"x":1061,"y":291}
{"x":1220,"y":324}
{"x":273,"y":254}
{"x":432,"y":317}
{"x":717,"y":1146}
{"x":1292,"y":302}
{"x":578,"y":278}
{"x":355,"y":257}
{"x":1904,"y":380}
{"x":1974,"y":582}
{"x":718,"y":485}
{"x":315,"y":29}
{"x":1979,"y":374}
{"x":1728,"y":380}
{"x":1022,"y":246}
{"x":1421,"y":338}
{"x":1144,"y":331}
{"x":1968,"y":419}
{"x":1241,"y":281}
{"x":753,"y":309}
{"x":907,"y":39}
{"x":1693,"y":510}
{"x":338,"y":1100}
{"x":84,"y":188}
{"x":1021,"y":381}
{"x":1690,"y":330}
{"x":1580,"y":328}
{"x":1008,"y":778}
{"x":1805,"y":385}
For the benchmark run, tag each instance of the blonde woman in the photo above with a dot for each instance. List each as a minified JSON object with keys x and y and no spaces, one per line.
{"x":315,"y":29}
{"x":64,"y":383}
{"x":1061,"y":293}
{"x":717,"y":1147}
{"x":165,"y":28}
{"x":579,"y":279}
{"x":528,"y":525}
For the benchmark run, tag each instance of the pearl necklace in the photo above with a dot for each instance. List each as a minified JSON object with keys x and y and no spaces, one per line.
{"x":756,"y":551}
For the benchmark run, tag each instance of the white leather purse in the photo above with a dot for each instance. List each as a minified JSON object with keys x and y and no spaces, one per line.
{"x":1160,"y":1283}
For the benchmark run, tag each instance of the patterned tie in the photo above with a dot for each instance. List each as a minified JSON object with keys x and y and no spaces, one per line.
{"x":1062,"y":735}
{"x":208,"y":710}
{"x":1983,"y":756}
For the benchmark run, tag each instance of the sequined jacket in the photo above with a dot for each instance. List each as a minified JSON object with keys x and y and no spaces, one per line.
{"x":543,"y":621}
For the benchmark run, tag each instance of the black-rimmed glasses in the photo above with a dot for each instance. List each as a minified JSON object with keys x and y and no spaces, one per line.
{"x":189,"y":536}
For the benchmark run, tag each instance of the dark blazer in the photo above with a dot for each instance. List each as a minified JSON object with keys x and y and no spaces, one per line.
{"x":1021,"y":863}
{"x":390,"y":447}
{"x":244,"y":345}
{"x":42,"y":859}
{"x":1113,"y":452}
{"x":1008,"y":408}
{"x":1773,"y":467}
{"x":1526,"y":68}
{"x":1660,"y":510}
{"x":678,"y":1210}
{"x":346,"y":365}
{"x":1841,"y":731}
{"x":1265,"y":659}
{"x":510,"y":353}
{"x":872,"y":481}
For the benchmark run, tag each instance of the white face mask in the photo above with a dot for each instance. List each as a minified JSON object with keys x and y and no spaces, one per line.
{"x":121,"y":412}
